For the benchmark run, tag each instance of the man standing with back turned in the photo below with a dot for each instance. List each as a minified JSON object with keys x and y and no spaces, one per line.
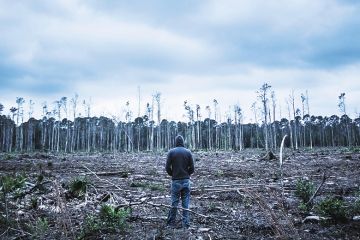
{"x":179,"y":165}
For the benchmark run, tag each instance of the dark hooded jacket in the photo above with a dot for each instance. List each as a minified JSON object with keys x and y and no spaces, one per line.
{"x":179,"y":163}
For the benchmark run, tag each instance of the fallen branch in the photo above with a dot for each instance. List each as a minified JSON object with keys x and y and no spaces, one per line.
{"x":317,"y":190}
{"x":104,"y":180}
{"x":278,"y":229}
{"x":111,"y":173}
{"x":179,"y":208}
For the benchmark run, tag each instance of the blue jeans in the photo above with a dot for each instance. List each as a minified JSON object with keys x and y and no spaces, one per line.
{"x":180,"y":188}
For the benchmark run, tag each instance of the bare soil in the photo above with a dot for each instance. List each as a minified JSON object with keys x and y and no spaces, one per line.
{"x":235,"y":195}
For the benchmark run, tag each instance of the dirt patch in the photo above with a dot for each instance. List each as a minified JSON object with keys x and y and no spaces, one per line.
{"x":235,"y":195}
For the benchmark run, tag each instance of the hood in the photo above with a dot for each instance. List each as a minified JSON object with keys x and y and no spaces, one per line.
{"x":179,"y":141}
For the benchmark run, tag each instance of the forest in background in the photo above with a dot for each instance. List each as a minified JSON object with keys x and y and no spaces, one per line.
{"x":148,"y":133}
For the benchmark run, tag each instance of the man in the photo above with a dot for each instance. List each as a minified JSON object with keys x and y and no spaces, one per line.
{"x":179,"y":165}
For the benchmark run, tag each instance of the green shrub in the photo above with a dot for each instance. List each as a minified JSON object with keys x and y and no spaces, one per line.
{"x":39,"y":229}
{"x":9,"y":183}
{"x":41,"y":225}
{"x":108,"y":219}
{"x":332,"y":207}
{"x":78,"y":187}
{"x":354,"y":149}
{"x":304,"y":190}
{"x":34,"y":203}
{"x":91,"y":224}
{"x":114,"y":218}
{"x":303,"y":207}
{"x":355,"y":207}
{"x":8,"y":157}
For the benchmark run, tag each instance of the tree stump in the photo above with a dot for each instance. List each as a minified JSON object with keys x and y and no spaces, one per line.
{"x":269,"y":156}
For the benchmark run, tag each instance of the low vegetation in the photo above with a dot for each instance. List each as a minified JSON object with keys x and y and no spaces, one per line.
{"x":304,"y":190}
{"x":78,"y":187}
{"x":234,"y":195}
{"x":333,"y":208}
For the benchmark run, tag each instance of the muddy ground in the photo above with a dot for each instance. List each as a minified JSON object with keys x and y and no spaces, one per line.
{"x":235,"y":195}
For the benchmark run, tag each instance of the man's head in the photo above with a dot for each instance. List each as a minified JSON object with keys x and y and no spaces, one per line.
{"x":179,"y":141}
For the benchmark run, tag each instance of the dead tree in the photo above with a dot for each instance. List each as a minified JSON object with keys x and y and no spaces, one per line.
{"x":342,"y":108}
{"x":87,"y":110}
{"x":198,"y":144}
{"x":292,"y":101}
{"x":273,"y":99}
{"x":74,"y":103}
{"x":238,"y":128}
{"x":20,"y":113}
{"x":209,"y":127}
{"x":290,"y":128}
{"x":152,"y":123}
{"x":216,"y":124}
{"x":190,"y":115}
{"x":157,"y":97}
{"x":263,"y":92}
{"x":149,"y":137}
{"x":30,"y":135}
{"x":255,"y":110}
{"x":303,"y":99}
{"x":128,"y":116}
{"x":308,"y":112}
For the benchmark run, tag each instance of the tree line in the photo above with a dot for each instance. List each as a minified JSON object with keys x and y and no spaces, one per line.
{"x":150,"y":132}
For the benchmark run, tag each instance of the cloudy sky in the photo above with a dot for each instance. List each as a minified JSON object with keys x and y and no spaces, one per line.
{"x":194,"y":50}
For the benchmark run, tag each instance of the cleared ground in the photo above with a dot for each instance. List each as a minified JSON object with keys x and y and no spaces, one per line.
{"x":235,"y":195}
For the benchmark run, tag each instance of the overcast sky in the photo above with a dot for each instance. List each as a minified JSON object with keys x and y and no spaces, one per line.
{"x":194,"y":50}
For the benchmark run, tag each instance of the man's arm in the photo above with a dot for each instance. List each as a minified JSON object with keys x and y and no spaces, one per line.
{"x":168,"y":165}
{"x":191,"y":165}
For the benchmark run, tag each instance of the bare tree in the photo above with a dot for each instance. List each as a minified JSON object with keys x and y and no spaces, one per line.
{"x":273,"y":99}
{"x":13,"y":111}
{"x":263,"y":92}
{"x":228,"y":132}
{"x":87,"y":107}
{"x":303,"y":100}
{"x":157,"y":97}
{"x":308,"y":112}
{"x":292,"y":101}
{"x":215,"y":102}
{"x":190,"y":114}
{"x":255,"y":110}
{"x":43,"y":124}
{"x":290,"y":128}
{"x":74,"y":103}
{"x":139,"y":100}
{"x":30,"y":127}
{"x":238,"y":128}
{"x":138,"y":125}
{"x":57,"y":110}
{"x":20,"y":113}
{"x":31,"y":108}
{"x":150,"y":140}
{"x":128,"y":116}
{"x":198,"y":115}
{"x":342,"y":108}
{"x":152,"y":122}
{"x":209,"y":126}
